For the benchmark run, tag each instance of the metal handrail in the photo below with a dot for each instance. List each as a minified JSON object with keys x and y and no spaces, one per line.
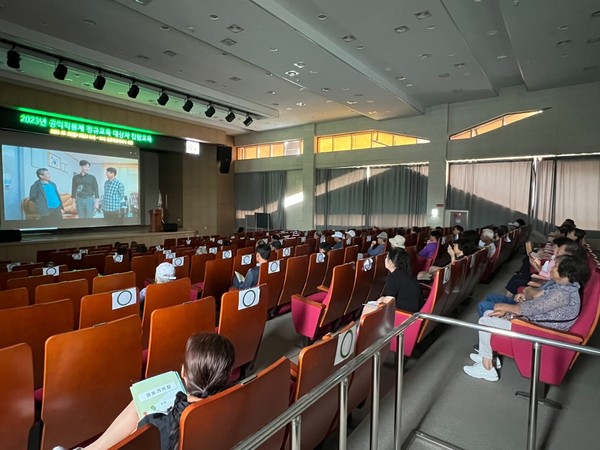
{"x":293,"y":413}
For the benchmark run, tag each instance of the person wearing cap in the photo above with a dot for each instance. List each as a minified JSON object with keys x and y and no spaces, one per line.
{"x":338,"y":238}
{"x":164,"y":273}
{"x":397,"y":241}
{"x":487,"y":241}
{"x":378,"y":247}
{"x":263,"y":251}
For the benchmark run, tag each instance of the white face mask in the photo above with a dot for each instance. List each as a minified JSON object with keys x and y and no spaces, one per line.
{"x":481,"y":243}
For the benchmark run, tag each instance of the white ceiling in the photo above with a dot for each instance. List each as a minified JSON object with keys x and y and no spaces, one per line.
{"x":461,"y":50}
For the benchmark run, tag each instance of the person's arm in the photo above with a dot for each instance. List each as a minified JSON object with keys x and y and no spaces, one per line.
{"x":34,"y":192}
{"x":122,"y":426}
{"x":251,"y":280}
{"x":550,"y":301}
{"x":96,"y":193}
{"x":121,"y":191}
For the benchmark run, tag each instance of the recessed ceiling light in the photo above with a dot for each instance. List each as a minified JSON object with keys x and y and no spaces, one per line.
{"x":565,"y":42}
{"x":423,"y":14}
{"x":500,"y":57}
{"x":401,"y":29}
{"x":348,"y":38}
{"x":492,"y":32}
{"x":191,"y":29}
{"x":313,"y":72}
{"x":300,"y":104}
{"x":235,"y":28}
{"x":593,"y":40}
{"x":444,"y":75}
{"x":410,"y":85}
{"x":345,"y":89}
{"x":142,"y":2}
{"x":467,"y":74}
{"x":269,"y":74}
{"x":271,"y":92}
{"x":372,"y":112}
{"x":325,"y":89}
{"x":214,"y":17}
{"x":328,"y":101}
{"x":288,"y":108}
{"x":165,"y":28}
{"x":360,"y":47}
{"x":228,"y":42}
{"x":351,"y":102}
{"x":170,"y":53}
{"x":321,"y":17}
{"x":89,"y":22}
{"x":300,"y":64}
{"x":388,"y":69}
{"x":275,"y":104}
{"x":235,"y":79}
{"x":210,"y":81}
{"x":144,"y":57}
{"x":86,"y":84}
{"x":563,"y":27}
{"x":400,"y":78}
{"x":431,"y":27}
{"x":451,"y":54}
{"x":292,"y":73}
{"x":595,"y":15}
{"x":425,"y":55}
{"x":273,"y":49}
{"x":564,"y":55}
{"x":590,"y":68}
{"x":370,"y":101}
{"x":459,"y":65}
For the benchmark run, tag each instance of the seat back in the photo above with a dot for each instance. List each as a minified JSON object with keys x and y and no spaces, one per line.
{"x":16,"y":396}
{"x":85,"y":274}
{"x":224,"y":419}
{"x":98,"y":308}
{"x":31,"y":283}
{"x":170,"y":329}
{"x":33,"y":325}
{"x":105,"y":361}
{"x":5,"y":276}
{"x":144,"y":268}
{"x":334,"y":258}
{"x":111,"y":266}
{"x":115,"y":282}
{"x":438,"y":301}
{"x":198,"y":267}
{"x":93,"y":261}
{"x":183,"y":270}
{"x":162,"y":295}
{"x":455,"y":285}
{"x":243,"y":263}
{"x":73,"y":290}
{"x":29,"y":267}
{"x":217,"y":278}
{"x":412,"y":258}
{"x":378,"y":277}
{"x":317,"y":266}
{"x":302,"y":249}
{"x":350,"y":253}
{"x":284,"y":252}
{"x":14,"y":298}
{"x":296,"y":269}
{"x":40,"y":270}
{"x":272,"y":273}
{"x":339,"y":292}
{"x":144,"y":438}
{"x":363,"y":280}
{"x":244,"y":251}
{"x":244,"y":327}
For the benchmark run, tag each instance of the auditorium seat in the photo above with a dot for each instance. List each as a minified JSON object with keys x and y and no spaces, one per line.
{"x":272,"y":273}
{"x":31,"y":283}
{"x":412,"y":259}
{"x":296,"y":269}
{"x":312,"y":319}
{"x":334,"y":258}
{"x":16,"y":396}
{"x":30,"y":266}
{"x":243,"y":263}
{"x":317,"y":266}
{"x":169,"y":242}
{"x":73,"y":290}
{"x":493,"y":263}
{"x":350,"y":253}
{"x":302,"y":249}
{"x":83,"y":274}
{"x":59,"y":269}
{"x":143,"y":438}
{"x":284,"y":252}
{"x":378,"y":277}
{"x":111,"y":267}
{"x":182,"y":271}
{"x":115,"y":282}
{"x":14,"y":298}
{"x":144,"y":268}
{"x":242,"y":320}
{"x":217,"y":278}
{"x":34,"y":324}
{"x":198,"y":267}
{"x":363,"y":280}
{"x":453,"y":287}
{"x":92,"y":260}
{"x":162,"y":295}
{"x":245,"y":251}
{"x":87,"y":377}
{"x":170,"y":329}
{"x":224,"y":419}
{"x":5,"y":276}
{"x":98,"y":308}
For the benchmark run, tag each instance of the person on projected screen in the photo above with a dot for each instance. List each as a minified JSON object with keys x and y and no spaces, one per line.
{"x":114,"y":192}
{"x":85,"y":191}
{"x":44,"y":194}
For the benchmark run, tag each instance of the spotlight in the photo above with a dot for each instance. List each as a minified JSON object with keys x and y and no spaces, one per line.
{"x":61,"y":70}
{"x":188,"y":105}
{"x":248,"y":120}
{"x":210,"y":111}
{"x":13,"y":59}
{"x":99,"y":82}
{"x":230,"y":116}
{"x":163,"y":99}
{"x":133,"y":91}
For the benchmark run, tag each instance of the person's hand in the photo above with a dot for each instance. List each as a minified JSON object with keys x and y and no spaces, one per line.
{"x":373,"y":243}
{"x":501,"y":309}
{"x":519,"y":297}
{"x":451,"y":251}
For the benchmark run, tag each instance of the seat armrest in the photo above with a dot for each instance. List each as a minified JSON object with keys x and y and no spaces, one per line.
{"x":307,"y":301}
{"x":323,"y":288}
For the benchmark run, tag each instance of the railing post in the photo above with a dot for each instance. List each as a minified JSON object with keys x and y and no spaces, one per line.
{"x":343,"y":414}
{"x":533,"y":396}
{"x":399,"y":381}
{"x":375,"y":401}
{"x":296,"y":432}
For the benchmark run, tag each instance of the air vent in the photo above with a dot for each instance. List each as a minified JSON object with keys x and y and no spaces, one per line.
{"x":348,"y":38}
{"x":423,"y":14}
{"x":235,"y":28}
{"x":229,"y":42}
{"x":170,"y":53}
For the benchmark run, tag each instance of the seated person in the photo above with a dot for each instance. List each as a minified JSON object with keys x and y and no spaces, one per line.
{"x":378,"y":247}
{"x":400,"y":283}
{"x":337,"y":238}
{"x":276,"y":244}
{"x":457,"y":232}
{"x":263,"y":251}
{"x":455,"y":251}
{"x":324,"y":247}
{"x":397,"y":241}
{"x":206,"y":370}
{"x":487,"y":241}
{"x":164,"y":273}
{"x":554,"y":306}
{"x":431,"y":246}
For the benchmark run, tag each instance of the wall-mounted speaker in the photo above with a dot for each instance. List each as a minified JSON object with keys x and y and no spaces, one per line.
{"x":224,"y":166}
{"x":10,"y":235}
{"x":169,"y":227}
{"x":223,"y":153}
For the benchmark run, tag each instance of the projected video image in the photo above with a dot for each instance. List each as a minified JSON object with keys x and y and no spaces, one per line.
{"x":46,"y":188}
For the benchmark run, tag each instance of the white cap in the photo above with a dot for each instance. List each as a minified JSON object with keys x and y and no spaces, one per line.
{"x":338,"y":234}
{"x":351,"y":233}
{"x":165,"y":271}
{"x":397,"y":241}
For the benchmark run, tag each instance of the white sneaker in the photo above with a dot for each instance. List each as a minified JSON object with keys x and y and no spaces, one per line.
{"x":478,"y":371}
{"x":476,"y":357}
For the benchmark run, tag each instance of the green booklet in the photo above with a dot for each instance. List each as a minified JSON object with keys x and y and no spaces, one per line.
{"x":156,"y":394}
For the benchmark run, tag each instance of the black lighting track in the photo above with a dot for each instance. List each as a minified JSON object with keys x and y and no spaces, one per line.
{"x":114,"y":74}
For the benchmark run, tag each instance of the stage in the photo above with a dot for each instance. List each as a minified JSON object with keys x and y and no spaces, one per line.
{"x":26,"y":249}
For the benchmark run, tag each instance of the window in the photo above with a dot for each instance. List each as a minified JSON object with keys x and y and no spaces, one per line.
{"x":493,"y":124}
{"x":269,"y":150}
{"x":363,"y":140}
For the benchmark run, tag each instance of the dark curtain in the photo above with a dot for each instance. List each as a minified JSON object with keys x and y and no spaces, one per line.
{"x":260,"y":192}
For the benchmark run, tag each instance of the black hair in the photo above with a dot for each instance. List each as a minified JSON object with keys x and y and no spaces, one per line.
{"x":111,"y":170}
{"x":472,"y":236}
{"x":122,"y":251}
{"x":466,"y":246}
{"x":564,"y":229}
{"x":569,"y":222}
{"x":459,"y":228}
{"x":574,"y":268}
{"x":436,"y":234}
{"x":562,"y":240}
{"x":276,"y":244}
{"x":579,"y":234}
{"x":40,"y":171}
{"x":521,"y":222}
{"x":501,"y":230}
{"x":401,"y":231}
{"x":83,"y":162}
{"x":399,"y":257}
{"x":325,"y":246}
{"x":264,"y":250}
